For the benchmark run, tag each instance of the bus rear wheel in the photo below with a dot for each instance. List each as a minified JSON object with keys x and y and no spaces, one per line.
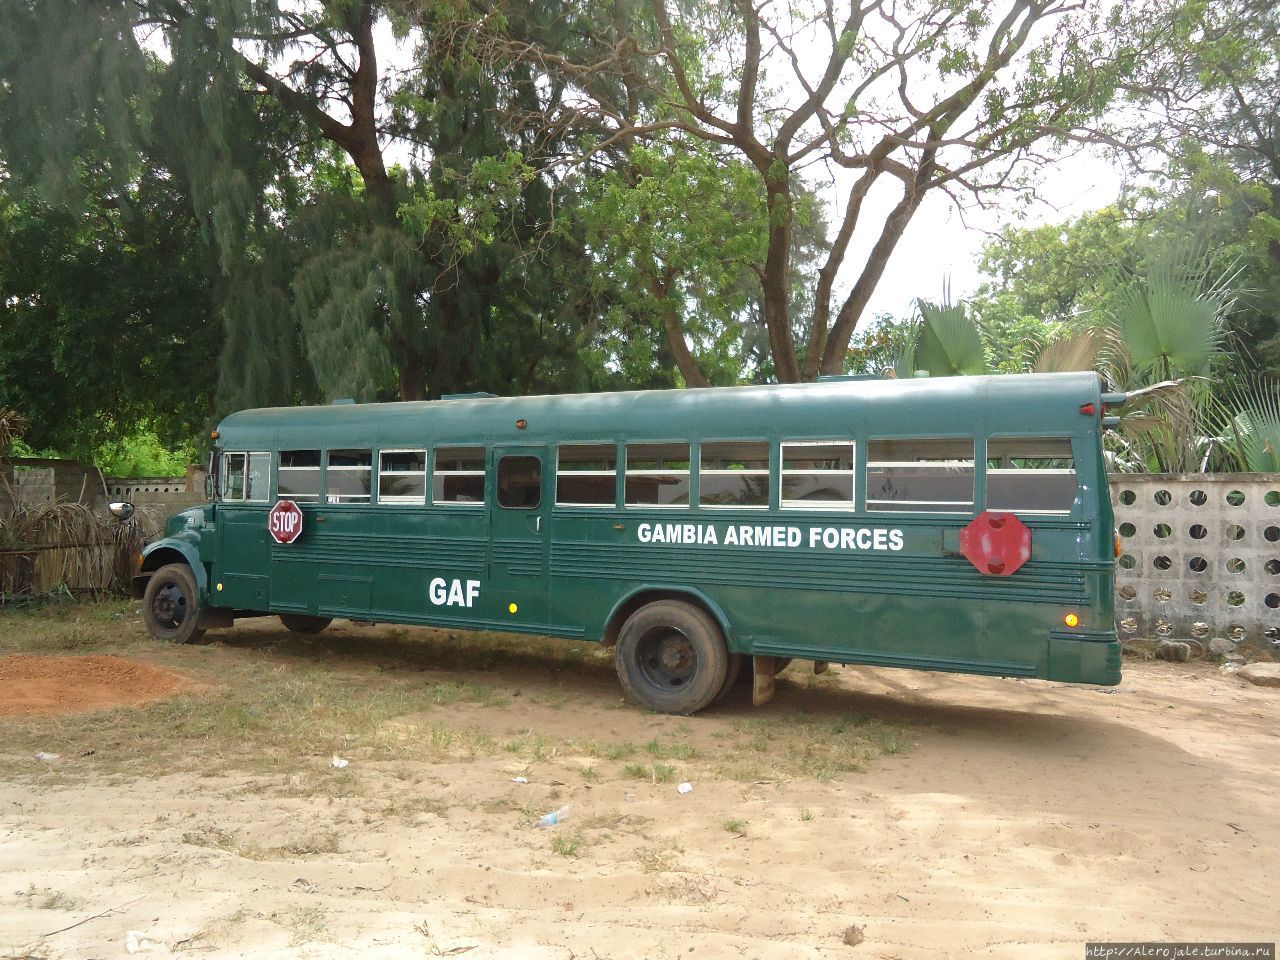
{"x":301,"y":623}
{"x":671,"y":657}
{"x":171,"y":605}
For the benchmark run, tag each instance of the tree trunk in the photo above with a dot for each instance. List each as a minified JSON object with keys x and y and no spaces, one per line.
{"x":775,"y":281}
{"x":673,"y":328}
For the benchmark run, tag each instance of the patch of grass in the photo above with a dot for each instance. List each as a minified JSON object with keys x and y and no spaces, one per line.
{"x":654,"y":772}
{"x":589,"y":773}
{"x":568,"y":844}
{"x":305,"y":924}
{"x":806,"y":814}
{"x":735,"y":826}
{"x":670,"y":751}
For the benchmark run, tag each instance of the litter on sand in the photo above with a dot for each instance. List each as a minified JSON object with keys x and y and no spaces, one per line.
{"x":685,"y":788}
{"x":338,"y":762}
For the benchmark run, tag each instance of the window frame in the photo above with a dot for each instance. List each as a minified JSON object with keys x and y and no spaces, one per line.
{"x":481,"y":473}
{"x":989,"y":471}
{"x":966,"y":507}
{"x":614,"y":473}
{"x":220,"y":486}
{"x":343,"y":499}
{"x":839,"y":506}
{"x":767,"y":473}
{"x":400,"y":499}
{"x":318,"y":496}
{"x":626,"y":471}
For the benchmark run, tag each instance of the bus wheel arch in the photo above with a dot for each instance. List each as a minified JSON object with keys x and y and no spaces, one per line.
{"x":159,"y":558}
{"x":620,"y":613}
{"x":671,"y":656}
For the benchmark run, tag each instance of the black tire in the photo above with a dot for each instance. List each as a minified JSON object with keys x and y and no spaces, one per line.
{"x":737,"y":662}
{"x":171,"y":605}
{"x":671,"y":657}
{"x":301,"y":623}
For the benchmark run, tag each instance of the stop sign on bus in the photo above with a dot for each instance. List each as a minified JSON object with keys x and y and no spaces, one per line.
{"x":285,"y":521}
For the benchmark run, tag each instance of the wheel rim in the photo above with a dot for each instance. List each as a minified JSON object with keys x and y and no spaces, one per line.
{"x":169,"y":606}
{"x":666,"y":659}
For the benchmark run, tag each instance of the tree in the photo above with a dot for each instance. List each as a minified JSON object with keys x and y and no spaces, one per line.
{"x":382,"y":279}
{"x":941,"y":96}
{"x":109,"y":319}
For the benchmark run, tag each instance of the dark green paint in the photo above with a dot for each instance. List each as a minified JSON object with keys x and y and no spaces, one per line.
{"x":570,"y":569}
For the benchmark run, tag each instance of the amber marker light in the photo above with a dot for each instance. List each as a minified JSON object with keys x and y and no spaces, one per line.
{"x":1119,"y":546}
{"x":1071,"y":620}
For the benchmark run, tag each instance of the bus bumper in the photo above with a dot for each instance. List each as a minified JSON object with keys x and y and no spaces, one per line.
{"x":1084,"y":658}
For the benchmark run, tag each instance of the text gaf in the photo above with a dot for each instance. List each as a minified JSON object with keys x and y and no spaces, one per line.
{"x":451,"y":593}
{"x":777,"y":535}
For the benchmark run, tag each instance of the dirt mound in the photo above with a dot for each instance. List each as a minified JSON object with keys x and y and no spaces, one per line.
{"x":31,"y":684}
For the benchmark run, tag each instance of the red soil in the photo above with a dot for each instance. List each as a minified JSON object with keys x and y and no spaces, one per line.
{"x":31,"y":685}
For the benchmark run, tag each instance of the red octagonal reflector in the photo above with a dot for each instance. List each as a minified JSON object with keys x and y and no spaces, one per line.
{"x":996,"y":543}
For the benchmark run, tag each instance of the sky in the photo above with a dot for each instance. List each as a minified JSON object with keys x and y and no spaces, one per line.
{"x":939,"y":247}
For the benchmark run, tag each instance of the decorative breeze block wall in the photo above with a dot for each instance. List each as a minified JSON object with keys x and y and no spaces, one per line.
{"x":1200,"y":556}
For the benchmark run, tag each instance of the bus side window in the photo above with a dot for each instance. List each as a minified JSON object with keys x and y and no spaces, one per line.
{"x":657,"y":474}
{"x":586,"y":475}
{"x":733,"y":474}
{"x":817,"y":475}
{"x":1031,"y":474}
{"x":458,"y":475}
{"x":232,"y":477}
{"x":257,"y":478}
{"x":402,"y":476}
{"x":349,"y":476}
{"x":298,"y":475}
{"x":520,"y":482}
{"x":920,"y":475}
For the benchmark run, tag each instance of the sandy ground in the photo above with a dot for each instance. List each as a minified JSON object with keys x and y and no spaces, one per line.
{"x":1027,"y":819}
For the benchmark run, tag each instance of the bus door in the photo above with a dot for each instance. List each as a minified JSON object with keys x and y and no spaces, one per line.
{"x":242,"y":568}
{"x":518,"y":537}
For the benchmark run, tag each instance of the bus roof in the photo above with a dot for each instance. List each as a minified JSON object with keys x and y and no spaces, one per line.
{"x":1046,"y":403}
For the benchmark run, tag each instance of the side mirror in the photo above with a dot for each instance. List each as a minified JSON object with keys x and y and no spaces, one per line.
{"x":119,"y":510}
{"x":208,"y":486}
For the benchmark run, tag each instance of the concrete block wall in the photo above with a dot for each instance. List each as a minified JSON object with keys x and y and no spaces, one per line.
{"x":1200,"y":556}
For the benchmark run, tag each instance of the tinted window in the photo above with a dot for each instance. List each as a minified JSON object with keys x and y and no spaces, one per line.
{"x":520,"y":482}
{"x":920,"y":475}
{"x":402,"y":476}
{"x":298,"y":475}
{"x":458,"y":475}
{"x":349,"y":478}
{"x":657,"y":474}
{"x":818,"y":474}
{"x":586,"y":474}
{"x":1031,"y":474}
{"x":734,"y":474}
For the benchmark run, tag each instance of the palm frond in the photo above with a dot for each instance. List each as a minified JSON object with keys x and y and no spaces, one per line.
{"x":949,"y":343}
{"x":1079,"y":351}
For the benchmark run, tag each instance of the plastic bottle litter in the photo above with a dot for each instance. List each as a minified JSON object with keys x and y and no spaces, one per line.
{"x":554,"y":817}
{"x":519,"y":779}
{"x":44,"y":757}
{"x":685,"y":788}
{"x":338,"y":762}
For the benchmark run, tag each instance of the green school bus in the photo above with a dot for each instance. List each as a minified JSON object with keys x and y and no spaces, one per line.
{"x":958,"y":524}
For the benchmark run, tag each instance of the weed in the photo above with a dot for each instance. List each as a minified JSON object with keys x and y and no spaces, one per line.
{"x":806,"y":814}
{"x":659,"y":858}
{"x":568,"y":844}
{"x":736,"y":827}
{"x":670,"y":751}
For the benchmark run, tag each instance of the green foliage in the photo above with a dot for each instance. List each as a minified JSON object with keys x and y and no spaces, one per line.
{"x":948,"y":343}
{"x":675,"y":234}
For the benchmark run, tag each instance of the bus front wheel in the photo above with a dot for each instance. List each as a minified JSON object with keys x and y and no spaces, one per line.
{"x":171,"y":605}
{"x":671,"y":657}
{"x":300,"y":623}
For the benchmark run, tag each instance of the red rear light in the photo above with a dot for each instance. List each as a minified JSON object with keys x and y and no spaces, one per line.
{"x":1088,"y":409}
